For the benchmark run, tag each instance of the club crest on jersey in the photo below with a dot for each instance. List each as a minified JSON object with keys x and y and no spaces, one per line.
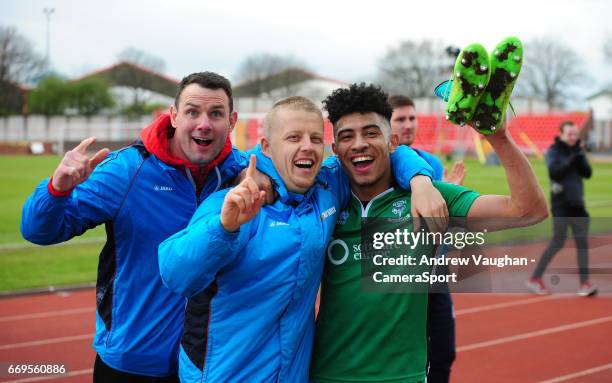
{"x":343,"y":217}
{"x":399,"y":207}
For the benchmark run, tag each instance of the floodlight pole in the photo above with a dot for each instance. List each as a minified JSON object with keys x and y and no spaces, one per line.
{"x":48,"y":12}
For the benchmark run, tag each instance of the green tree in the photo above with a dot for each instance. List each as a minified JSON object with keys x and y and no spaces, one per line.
{"x":90,"y":96}
{"x":51,"y":97}
{"x":139,"y":109}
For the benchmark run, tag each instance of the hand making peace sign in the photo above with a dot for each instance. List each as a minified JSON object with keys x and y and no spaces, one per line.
{"x":76,"y":166}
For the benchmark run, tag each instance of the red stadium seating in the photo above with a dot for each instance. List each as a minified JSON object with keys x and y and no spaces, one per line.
{"x":435,"y":134}
{"x":542,"y":129}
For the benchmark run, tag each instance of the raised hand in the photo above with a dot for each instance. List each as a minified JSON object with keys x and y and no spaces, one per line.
{"x":263,"y":182}
{"x":457,"y":175}
{"x":76,"y":166}
{"x":242,"y":202}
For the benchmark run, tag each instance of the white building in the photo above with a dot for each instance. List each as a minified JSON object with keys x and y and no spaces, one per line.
{"x":601,"y":105}
{"x":259,"y":96}
{"x":129,"y":82}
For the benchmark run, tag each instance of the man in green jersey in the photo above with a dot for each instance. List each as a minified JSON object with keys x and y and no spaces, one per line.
{"x":374,"y":337}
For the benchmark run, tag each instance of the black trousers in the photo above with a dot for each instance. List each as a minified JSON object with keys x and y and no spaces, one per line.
{"x":103,"y":373}
{"x":578,"y":219}
{"x":441,"y":334}
{"x":440,"y":330}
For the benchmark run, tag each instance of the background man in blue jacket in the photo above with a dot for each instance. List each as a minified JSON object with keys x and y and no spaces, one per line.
{"x":143,"y":194}
{"x":252,"y":272}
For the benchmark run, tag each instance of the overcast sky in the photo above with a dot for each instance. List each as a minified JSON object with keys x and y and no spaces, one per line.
{"x":337,"y":39}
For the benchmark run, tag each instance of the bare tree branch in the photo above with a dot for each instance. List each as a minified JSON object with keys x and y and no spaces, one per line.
{"x":18,"y":61}
{"x":264,"y":73}
{"x":607,"y":48}
{"x":413,"y":68}
{"x":138,"y":80}
{"x":551,"y":71}
{"x":142,"y":58}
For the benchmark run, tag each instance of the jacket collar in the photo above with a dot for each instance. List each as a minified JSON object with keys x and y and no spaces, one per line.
{"x":563,"y":145}
{"x":156,"y":139}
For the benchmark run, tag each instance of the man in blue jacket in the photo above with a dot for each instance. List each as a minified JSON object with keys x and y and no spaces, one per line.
{"x":252,"y":273}
{"x":142,"y":193}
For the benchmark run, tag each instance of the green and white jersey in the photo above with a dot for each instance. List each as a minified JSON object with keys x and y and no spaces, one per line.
{"x":372,"y":337}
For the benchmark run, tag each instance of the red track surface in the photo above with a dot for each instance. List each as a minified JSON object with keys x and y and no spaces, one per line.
{"x":500,"y":338}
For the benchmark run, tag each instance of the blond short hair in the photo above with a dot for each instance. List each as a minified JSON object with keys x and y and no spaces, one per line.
{"x":294,"y":103}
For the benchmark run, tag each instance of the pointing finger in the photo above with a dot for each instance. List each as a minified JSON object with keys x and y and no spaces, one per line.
{"x":82,"y":147}
{"x":252,"y":166}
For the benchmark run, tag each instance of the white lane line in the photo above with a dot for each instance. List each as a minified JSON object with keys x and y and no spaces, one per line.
{"x":579,"y":374}
{"x":495,"y":306}
{"x":42,"y":342}
{"x":47,"y":314}
{"x":533,"y":334}
{"x":49,"y":377}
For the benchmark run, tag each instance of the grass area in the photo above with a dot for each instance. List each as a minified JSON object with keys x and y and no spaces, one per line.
{"x":492,"y":180}
{"x":24,"y":266}
{"x":20,"y":175}
{"x":48,"y":266}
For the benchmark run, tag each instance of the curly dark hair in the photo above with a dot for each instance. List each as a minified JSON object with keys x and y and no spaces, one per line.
{"x":358,"y":98}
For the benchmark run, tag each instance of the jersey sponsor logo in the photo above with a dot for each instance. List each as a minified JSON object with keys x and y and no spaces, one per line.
{"x":337,"y":252}
{"x":399,"y":207}
{"x":328,"y":213}
{"x":162,"y":188}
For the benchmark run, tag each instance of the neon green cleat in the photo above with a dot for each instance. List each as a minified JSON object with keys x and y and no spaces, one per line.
{"x":470,"y":78}
{"x":506,"y":63}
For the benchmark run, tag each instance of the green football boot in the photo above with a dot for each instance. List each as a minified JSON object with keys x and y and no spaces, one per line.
{"x":470,"y":78}
{"x":506,"y":62}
